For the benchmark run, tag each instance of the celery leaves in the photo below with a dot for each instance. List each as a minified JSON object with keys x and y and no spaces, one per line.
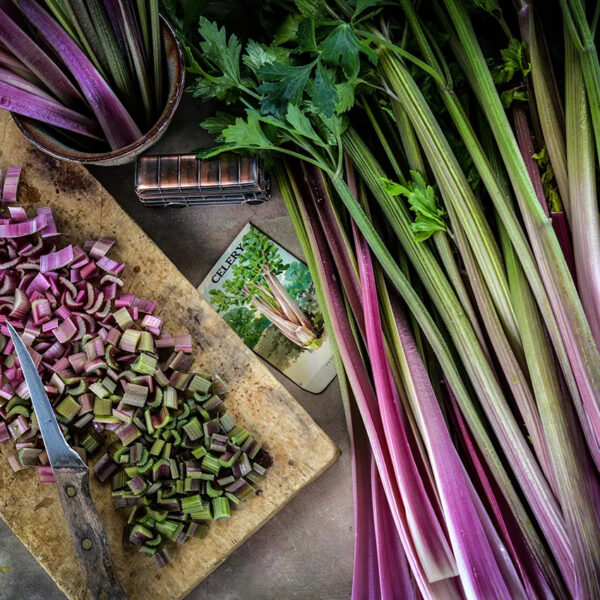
{"x":282,"y":84}
{"x":514,"y":60}
{"x":422,"y":201}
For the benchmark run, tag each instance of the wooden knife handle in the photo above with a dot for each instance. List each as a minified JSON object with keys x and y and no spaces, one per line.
{"x":88,"y":533}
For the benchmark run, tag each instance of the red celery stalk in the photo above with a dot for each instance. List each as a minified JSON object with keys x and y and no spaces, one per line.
{"x":20,"y":82}
{"x":366,"y":576}
{"x":394,"y":575}
{"x":409,"y":479}
{"x":365,"y":581}
{"x":527,"y":151}
{"x":411,"y":486}
{"x":116,"y":123}
{"x":366,"y":400}
{"x":581,"y":163}
{"x":472,"y":551}
{"x":559,"y":219}
{"x":529,"y":571}
{"x":32,"y":56}
{"x":25,"y":103}
{"x":563,"y":234}
{"x":339,"y":246}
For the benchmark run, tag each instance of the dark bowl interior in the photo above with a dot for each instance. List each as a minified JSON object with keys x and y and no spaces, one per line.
{"x":48,"y":140}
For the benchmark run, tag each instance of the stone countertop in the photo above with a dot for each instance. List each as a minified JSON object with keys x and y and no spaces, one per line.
{"x":303,"y":553}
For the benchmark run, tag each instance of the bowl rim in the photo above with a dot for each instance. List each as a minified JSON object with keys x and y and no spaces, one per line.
{"x":26,"y":125}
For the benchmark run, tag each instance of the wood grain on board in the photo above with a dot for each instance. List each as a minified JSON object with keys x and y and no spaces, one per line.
{"x":83,"y":210}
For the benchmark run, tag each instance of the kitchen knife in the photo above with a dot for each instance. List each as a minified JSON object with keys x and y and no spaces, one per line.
{"x":71,"y":474}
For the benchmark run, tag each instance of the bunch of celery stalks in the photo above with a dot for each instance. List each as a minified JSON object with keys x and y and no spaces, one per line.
{"x":446,"y":203}
{"x":438,"y":160}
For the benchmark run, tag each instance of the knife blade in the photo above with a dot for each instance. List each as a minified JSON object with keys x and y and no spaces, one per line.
{"x":71,"y":475}
{"x":60,"y":454}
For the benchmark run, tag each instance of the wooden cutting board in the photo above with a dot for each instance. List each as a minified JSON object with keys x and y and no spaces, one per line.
{"x":83,"y":210}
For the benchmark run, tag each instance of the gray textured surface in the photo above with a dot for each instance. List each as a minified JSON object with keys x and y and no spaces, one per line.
{"x":305,"y":552}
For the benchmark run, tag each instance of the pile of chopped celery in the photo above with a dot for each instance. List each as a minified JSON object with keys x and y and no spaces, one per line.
{"x":121,"y":386}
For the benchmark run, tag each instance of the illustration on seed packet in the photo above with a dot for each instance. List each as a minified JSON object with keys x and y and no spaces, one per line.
{"x":267,"y":297}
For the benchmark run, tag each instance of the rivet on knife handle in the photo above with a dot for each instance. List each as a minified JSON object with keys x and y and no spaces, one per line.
{"x":88,"y":533}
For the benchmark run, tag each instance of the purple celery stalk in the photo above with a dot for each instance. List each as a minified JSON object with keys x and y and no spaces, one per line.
{"x":135,"y":48}
{"x":365,"y":580}
{"x":565,"y":239}
{"x":510,"y":363}
{"x":432,"y":545}
{"x":581,"y":163}
{"x":112,"y":10}
{"x":367,"y":403}
{"x":116,"y":123}
{"x":340,"y":249}
{"x":17,"y":81}
{"x":527,"y":151}
{"x":470,"y":548}
{"x":366,"y":576}
{"x":534,"y":581}
{"x":503,"y":560}
{"x":559,"y":219}
{"x":545,"y":102}
{"x":16,"y":66}
{"x":33,"y":57}
{"x":394,"y":574}
{"x":32,"y":105}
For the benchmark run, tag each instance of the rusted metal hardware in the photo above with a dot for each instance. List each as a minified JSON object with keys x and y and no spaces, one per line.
{"x":184,"y":180}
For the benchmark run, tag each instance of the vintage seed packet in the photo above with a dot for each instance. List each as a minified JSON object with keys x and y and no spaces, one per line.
{"x":267,"y":297}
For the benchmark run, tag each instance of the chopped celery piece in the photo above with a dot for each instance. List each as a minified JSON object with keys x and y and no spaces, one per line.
{"x":220,"y":507}
{"x":68,"y":408}
{"x":145,"y":364}
{"x":102,"y":406}
{"x":193,"y":428}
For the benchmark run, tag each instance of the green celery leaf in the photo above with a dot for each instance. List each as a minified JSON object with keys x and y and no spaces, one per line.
{"x":514,"y":60}
{"x":422,"y":201}
{"x":515,"y":94}
{"x":288,"y":30}
{"x":307,"y":36}
{"x":548,"y":180}
{"x":216,"y":150}
{"x":218,"y":122}
{"x":345,"y":92}
{"x":247,"y":134}
{"x":361,"y":5}
{"x":310,"y":8}
{"x":394,"y":188}
{"x":283,"y":84}
{"x":342,"y":47}
{"x":218,"y":90}
{"x":301,"y":123}
{"x":223,"y":53}
{"x":333,"y":127}
{"x":258,"y":55}
{"x":490,"y":6}
{"x":324,"y":93}
{"x":276,"y":129}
